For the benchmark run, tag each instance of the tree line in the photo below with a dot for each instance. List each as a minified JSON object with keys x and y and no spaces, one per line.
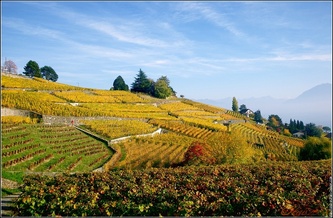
{"x":31,"y":69}
{"x":317,"y":146}
{"x":274,"y":122}
{"x":160,"y":88}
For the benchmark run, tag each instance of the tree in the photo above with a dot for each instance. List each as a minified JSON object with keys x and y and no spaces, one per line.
{"x":234,"y":104}
{"x":161,"y":89}
{"x":242,"y":107}
{"x":32,"y":69}
{"x":119,"y":84}
{"x":326,"y":129}
{"x":141,"y":83}
{"x":301,"y":125}
{"x":48,"y":73}
{"x":292,"y":126}
{"x":316,"y":149}
{"x":10,"y":67}
{"x":312,"y":130}
{"x":229,"y":148}
{"x":166,"y":79}
{"x":275,"y":122}
{"x":198,"y":154}
{"x":258,"y":117}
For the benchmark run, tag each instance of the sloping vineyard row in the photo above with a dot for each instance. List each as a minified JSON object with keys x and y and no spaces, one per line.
{"x":267,"y":143}
{"x":36,"y":148}
{"x":208,"y":108}
{"x":178,"y":106}
{"x":83,"y":96}
{"x":237,"y":115}
{"x":33,"y":103}
{"x":119,"y":128}
{"x":201,"y":114}
{"x":128,"y":110}
{"x":158,"y":151}
{"x":143,"y":108}
{"x":122,"y":96}
{"x":34,"y":84}
{"x":180,"y":127}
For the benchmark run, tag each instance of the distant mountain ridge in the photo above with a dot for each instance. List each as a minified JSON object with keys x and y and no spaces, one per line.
{"x":312,"y":106}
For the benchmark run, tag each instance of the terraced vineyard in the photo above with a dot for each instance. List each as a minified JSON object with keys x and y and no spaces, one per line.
{"x":113,"y":129}
{"x":182,"y":116}
{"x":34,"y":84}
{"x":118,"y":139}
{"x":56,"y":148}
{"x":128,"y":110}
{"x":159,"y":151}
{"x":272,"y":144}
{"x":183,"y":128}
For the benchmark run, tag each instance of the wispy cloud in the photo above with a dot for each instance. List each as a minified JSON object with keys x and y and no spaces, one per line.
{"x":61,"y":37}
{"x":136,"y":32}
{"x":202,"y":10}
{"x":21,"y":26}
{"x":294,"y":57}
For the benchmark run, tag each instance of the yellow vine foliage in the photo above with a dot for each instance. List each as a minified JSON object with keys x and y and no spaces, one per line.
{"x":18,"y":119}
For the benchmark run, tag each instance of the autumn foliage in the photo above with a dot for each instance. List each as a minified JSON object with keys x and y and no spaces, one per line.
{"x":198,"y":153}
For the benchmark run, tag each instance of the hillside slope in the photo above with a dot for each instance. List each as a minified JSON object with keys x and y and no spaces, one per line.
{"x":113,"y":114}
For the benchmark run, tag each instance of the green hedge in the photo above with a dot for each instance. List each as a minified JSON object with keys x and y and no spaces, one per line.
{"x":266,"y":189}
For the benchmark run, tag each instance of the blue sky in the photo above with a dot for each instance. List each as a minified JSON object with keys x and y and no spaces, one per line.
{"x":207,"y":49}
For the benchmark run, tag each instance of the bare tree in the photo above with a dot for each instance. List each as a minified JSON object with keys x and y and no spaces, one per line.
{"x":10,"y":67}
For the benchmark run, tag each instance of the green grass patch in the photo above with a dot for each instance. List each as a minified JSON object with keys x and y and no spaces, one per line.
{"x":14,"y":176}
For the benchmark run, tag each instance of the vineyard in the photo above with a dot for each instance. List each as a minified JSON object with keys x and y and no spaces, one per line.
{"x":132,"y":114}
{"x":163,"y":150}
{"x":34,"y":84}
{"x":44,"y":148}
{"x":266,"y":189}
{"x":113,"y":129}
{"x":140,"y":166}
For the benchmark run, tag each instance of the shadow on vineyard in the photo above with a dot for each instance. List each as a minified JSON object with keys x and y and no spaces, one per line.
{"x":136,"y":155}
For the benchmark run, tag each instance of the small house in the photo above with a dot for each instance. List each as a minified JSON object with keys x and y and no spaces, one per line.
{"x":298,"y":134}
{"x":246,"y":112}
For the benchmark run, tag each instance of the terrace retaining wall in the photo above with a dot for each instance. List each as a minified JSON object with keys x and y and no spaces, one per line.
{"x":17,"y":112}
{"x":48,"y":119}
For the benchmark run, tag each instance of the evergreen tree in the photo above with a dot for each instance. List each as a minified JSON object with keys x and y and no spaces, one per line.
{"x":141,"y":83}
{"x":234,"y":104}
{"x":258,"y":117}
{"x":292,"y":127}
{"x":48,"y":73}
{"x":301,"y":125}
{"x":32,"y":69}
{"x":242,"y":107}
{"x":298,"y":126}
{"x":119,"y":84}
{"x":312,"y":130}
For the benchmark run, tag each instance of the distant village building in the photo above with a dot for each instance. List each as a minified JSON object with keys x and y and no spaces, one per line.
{"x":298,"y":134}
{"x":246,"y":112}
